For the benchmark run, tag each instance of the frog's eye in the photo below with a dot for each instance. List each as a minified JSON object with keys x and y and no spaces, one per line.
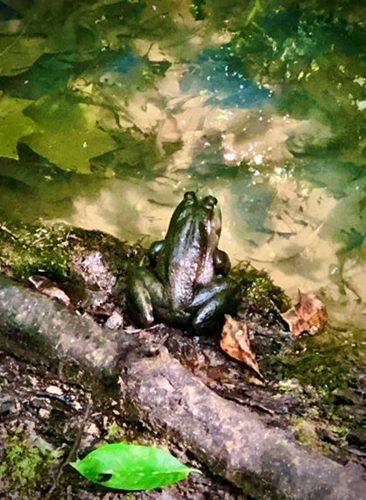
{"x":190,"y":195}
{"x":210,"y":202}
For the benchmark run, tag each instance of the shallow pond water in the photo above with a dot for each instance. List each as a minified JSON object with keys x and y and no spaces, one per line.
{"x":111,"y":110}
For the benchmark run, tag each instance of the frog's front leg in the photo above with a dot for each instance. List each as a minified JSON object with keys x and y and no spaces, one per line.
{"x":221,"y":262}
{"x":144,"y":293}
{"x":211,"y":303}
{"x":154,"y":251}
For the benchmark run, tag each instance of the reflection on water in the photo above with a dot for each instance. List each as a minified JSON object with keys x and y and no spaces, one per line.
{"x":152,"y":101}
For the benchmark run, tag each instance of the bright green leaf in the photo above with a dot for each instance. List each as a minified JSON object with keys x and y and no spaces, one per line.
{"x":131,"y":467}
{"x":68,"y":135}
{"x":13,"y":125}
{"x":18,"y":53}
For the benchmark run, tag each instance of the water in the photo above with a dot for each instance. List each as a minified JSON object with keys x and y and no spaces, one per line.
{"x":111,"y":110}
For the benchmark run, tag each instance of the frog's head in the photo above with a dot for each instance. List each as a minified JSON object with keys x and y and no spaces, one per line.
{"x":204,"y":213}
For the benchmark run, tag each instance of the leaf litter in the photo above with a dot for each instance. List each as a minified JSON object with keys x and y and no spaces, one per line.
{"x":235,"y":341}
{"x":308,"y":315}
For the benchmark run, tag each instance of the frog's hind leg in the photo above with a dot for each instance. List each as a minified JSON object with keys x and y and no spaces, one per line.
{"x":143,"y":289}
{"x":213,"y":302}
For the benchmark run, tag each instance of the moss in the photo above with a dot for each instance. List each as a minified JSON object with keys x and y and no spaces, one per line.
{"x":288,"y":386}
{"x":322,"y":365}
{"x":23,"y":465}
{"x":306,"y":433}
{"x":340,"y":431}
{"x":29,"y":249}
{"x":318,"y":434}
{"x":114,"y":433}
{"x":259,"y":295}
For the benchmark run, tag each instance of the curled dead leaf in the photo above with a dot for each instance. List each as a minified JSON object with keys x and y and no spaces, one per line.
{"x":235,"y":342}
{"x":48,"y":288}
{"x":308,"y":315}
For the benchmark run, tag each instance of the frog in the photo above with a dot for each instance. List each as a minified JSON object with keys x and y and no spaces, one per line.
{"x":185,"y":281}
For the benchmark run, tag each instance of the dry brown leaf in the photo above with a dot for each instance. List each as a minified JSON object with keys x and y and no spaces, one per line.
{"x":48,"y":288}
{"x":256,"y":381}
{"x":308,"y":315}
{"x":235,"y":342}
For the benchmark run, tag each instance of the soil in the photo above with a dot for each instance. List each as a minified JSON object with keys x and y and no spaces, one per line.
{"x":43,"y":410}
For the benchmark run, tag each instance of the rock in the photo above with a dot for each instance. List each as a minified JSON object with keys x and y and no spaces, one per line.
{"x":7,"y":404}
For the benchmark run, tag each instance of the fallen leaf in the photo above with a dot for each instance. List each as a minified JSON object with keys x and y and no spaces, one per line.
{"x":308,"y":315}
{"x":68,"y":134}
{"x":48,"y":288}
{"x":19,"y":52}
{"x":256,"y":381}
{"x":235,"y":342}
{"x":13,"y":125}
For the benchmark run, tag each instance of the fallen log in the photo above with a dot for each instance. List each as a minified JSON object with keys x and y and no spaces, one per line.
{"x":232,"y":441}
{"x":41,"y":330}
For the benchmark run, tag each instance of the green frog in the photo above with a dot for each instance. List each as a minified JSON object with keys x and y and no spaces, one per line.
{"x":185,"y":282}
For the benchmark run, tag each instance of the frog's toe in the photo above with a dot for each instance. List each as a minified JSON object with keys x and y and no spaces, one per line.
{"x":140,"y":307}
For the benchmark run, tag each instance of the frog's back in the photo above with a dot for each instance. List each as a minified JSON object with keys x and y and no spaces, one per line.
{"x":190,"y":263}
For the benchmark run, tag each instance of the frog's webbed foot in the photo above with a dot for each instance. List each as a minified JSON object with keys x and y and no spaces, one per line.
{"x":143,"y":290}
{"x":211,"y":303}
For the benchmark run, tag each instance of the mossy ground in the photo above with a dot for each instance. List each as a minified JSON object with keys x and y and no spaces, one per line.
{"x":24,"y":465}
{"x":260,"y":297}
{"x":42,"y":430}
{"x":27,"y":249}
{"x":317,"y":371}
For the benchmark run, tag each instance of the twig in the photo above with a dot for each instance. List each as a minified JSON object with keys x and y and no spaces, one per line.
{"x":71,"y":453}
{"x":17,"y":38}
{"x":6,"y":230}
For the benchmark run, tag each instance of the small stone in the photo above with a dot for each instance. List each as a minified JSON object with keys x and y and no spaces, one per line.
{"x":77,"y":406}
{"x":53,"y":389}
{"x":7,"y":403}
{"x":114,"y":321}
{"x":43,"y":413}
{"x":92,"y":429}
